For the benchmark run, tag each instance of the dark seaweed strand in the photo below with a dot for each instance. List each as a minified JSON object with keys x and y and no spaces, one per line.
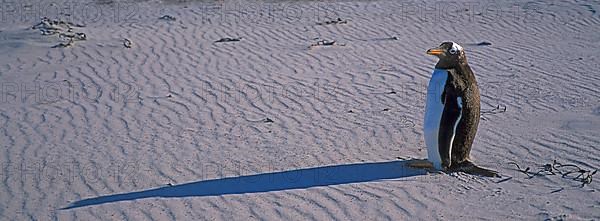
{"x":570,"y":171}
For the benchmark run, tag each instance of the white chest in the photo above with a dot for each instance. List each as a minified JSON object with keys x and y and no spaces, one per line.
{"x":433,"y":115}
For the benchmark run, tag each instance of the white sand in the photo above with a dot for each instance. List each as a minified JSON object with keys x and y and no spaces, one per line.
{"x":164,"y":122}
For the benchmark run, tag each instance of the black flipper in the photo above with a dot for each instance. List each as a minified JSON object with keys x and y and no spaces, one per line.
{"x":450,"y":117}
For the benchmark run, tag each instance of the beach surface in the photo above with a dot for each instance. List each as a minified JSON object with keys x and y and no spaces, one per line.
{"x":291,"y":110}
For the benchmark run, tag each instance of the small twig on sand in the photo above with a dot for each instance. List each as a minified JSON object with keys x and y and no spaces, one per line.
{"x":167,"y":18}
{"x":558,"y":190}
{"x":326,"y":43}
{"x":265,"y":120}
{"x":393,"y":38}
{"x":228,"y":40}
{"x":504,"y":180}
{"x":333,"y":22}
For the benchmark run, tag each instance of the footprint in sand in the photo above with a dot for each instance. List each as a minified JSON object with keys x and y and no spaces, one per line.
{"x":581,"y":125}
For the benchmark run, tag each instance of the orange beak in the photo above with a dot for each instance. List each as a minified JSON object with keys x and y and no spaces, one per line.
{"x":435,"y":51}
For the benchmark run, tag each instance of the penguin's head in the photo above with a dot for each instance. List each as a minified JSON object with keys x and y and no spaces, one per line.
{"x":449,"y":53}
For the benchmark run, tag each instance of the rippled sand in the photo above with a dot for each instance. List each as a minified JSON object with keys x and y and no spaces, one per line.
{"x":179,"y":127}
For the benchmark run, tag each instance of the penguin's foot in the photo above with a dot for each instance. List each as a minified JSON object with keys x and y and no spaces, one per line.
{"x":421,"y":164}
{"x":470,"y":168}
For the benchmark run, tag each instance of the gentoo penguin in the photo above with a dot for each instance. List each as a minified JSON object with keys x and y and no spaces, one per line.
{"x":452,"y":112}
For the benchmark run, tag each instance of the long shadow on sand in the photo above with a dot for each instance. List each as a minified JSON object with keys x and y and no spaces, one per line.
{"x":266,"y":182}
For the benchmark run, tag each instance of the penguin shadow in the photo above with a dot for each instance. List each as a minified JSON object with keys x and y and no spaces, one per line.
{"x":269,"y":182}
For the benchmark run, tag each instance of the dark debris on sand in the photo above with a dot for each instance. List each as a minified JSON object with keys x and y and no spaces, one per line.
{"x":167,"y":18}
{"x":568,"y":171}
{"x":63,"y":29}
{"x":333,"y":22}
{"x":326,"y":43}
{"x":222,"y":40}
{"x":497,"y":110}
{"x":127,"y":43}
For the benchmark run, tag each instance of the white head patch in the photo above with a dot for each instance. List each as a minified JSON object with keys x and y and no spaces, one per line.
{"x":456,"y":48}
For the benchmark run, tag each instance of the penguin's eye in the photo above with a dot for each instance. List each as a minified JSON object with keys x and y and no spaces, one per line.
{"x":452,"y":50}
